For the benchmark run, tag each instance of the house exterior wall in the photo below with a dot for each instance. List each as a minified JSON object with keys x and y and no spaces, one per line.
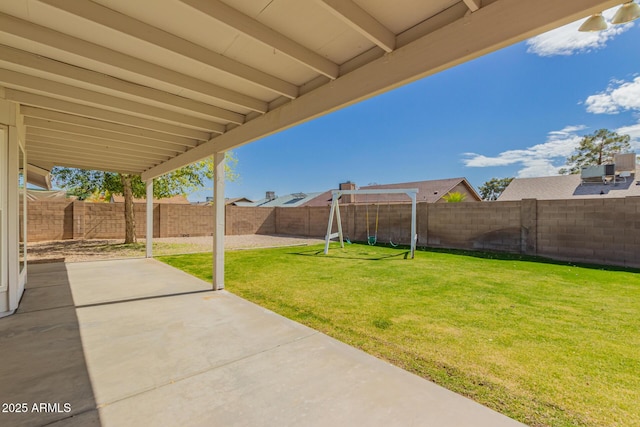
{"x":462,"y":188}
{"x":13,"y":271}
{"x":600,"y":231}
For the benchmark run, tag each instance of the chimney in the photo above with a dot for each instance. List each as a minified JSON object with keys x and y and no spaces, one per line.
{"x":348,"y":198}
{"x":271,"y":195}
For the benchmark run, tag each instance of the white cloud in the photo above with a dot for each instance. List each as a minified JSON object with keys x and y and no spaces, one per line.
{"x":617,"y":97}
{"x":568,"y":40}
{"x":539,"y":160}
{"x":634,"y":132}
{"x":547,"y":158}
{"x":620,"y":96}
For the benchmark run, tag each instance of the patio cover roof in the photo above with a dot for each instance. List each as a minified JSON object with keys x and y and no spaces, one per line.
{"x":148,"y":86}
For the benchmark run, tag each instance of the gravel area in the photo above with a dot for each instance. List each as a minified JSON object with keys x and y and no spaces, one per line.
{"x":96,"y":249}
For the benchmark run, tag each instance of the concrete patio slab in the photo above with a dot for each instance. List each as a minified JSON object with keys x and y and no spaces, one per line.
{"x":99,"y":282}
{"x":160,"y":341}
{"x":151,"y":354}
{"x":310,"y":381}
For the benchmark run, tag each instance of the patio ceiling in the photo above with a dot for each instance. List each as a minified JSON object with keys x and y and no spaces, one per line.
{"x":148,"y":86}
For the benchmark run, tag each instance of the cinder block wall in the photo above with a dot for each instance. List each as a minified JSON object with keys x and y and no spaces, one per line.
{"x":248,"y":220}
{"x":592,"y":230}
{"x":49,"y":220}
{"x":482,"y":226}
{"x":600,"y":231}
{"x":106,"y":220}
{"x":185,"y":220}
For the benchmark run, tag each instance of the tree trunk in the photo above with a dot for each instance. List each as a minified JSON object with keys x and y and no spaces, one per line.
{"x":129,"y":214}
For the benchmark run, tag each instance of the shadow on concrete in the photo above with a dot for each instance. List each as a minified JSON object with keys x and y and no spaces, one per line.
{"x":43,"y":368}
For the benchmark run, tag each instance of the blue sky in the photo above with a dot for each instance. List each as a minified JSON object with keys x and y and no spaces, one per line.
{"x":516,"y":112}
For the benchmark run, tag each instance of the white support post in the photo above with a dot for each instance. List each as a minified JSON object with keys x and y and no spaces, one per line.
{"x":149,"y":236}
{"x":218,"y":221}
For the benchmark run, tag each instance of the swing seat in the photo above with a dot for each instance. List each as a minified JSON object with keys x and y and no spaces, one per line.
{"x":372,"y":240}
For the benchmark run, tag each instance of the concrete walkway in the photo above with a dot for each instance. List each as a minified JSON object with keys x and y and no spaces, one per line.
{"x":102,"y":338}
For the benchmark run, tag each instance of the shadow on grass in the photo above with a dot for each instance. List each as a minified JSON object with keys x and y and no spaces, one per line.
{"x":404,"y":251}
{"x":505,"y":256}
{"x":404,"y":254}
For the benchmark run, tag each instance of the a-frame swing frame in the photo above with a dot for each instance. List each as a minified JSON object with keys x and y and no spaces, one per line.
{"x":335,"y":212}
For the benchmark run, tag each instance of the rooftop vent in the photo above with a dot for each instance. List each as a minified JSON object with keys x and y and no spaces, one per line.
{"x":271,"y":195}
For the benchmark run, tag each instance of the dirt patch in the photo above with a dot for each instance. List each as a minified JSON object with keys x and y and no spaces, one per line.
{"x":95,"y":249}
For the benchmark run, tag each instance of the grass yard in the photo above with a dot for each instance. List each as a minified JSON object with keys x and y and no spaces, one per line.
{"x":545,"y":343}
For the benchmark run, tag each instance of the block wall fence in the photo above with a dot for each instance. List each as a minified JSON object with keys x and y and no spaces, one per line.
{"x":605,"y":231}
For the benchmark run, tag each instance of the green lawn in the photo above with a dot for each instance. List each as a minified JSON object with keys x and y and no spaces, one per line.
{"x":545,"y":343}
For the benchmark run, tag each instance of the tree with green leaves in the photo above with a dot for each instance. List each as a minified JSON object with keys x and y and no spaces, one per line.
{"x":84,"y":183}
{"x":455,"y":197}
{"x":596,"y":149}
{"x":493,"y":188}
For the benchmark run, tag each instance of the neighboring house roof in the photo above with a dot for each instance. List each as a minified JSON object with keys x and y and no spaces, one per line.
{"x":566,"y":187}
{"x":235,"y":200}
{"x":175,"y":200}
{"x":428,"y":191}
{"x":288,"y":201}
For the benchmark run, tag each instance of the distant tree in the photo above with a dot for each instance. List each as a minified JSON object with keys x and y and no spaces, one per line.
{"x":596,"y":149}
{"x":455,"y":197}
{"x":493,"y":188}
{"x":86,"y":183}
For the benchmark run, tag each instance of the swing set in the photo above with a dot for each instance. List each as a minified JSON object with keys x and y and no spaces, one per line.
{"x":372,"y":239}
